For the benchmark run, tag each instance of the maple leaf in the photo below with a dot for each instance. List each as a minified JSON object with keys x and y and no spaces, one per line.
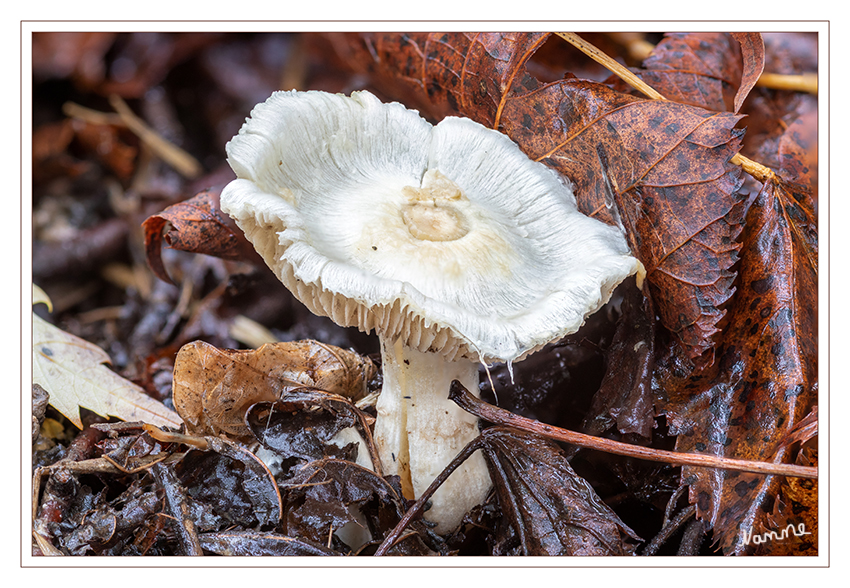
{"x":715,"y":70}
{"x":72,"y":370}
{"x":659,"y":168}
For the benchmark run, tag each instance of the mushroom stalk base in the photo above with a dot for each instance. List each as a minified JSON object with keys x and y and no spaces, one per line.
{"x":419,"y":431}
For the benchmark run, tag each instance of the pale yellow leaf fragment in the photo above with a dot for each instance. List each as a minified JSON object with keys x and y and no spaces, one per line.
{"x":72,"y":371}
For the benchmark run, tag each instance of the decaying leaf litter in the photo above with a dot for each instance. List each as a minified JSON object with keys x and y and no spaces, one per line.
{"x":728,"y":369}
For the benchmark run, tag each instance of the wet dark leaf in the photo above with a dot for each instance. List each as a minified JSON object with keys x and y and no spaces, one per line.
{"x":625,"y":396}
{"x":328,"y":495}
{"x":554,"y":511}
{"x":765,"y":378}
{"x":294,"y":431}
{"x":232,"y":483}
{"x":243,"y":543}
{"x":132,"y":453}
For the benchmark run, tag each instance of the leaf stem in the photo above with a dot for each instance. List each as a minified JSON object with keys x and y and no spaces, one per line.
{"x":500,"y":416}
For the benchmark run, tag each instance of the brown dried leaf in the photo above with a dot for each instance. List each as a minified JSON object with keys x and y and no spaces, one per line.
{"x":213,"y":388}
{"x":796,"y":504}
{"x":701,"y":69}
{"x":752,"y":49}
{"x":765,"y":379}
{"x":196,"y":225}
{"x":798,"y":147}
{"x":107,"y":144}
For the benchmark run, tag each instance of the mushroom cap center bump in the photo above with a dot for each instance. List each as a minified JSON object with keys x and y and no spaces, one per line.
{"x":435,"y":211}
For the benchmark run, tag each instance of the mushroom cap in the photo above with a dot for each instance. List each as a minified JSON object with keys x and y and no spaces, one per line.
{"x":448,"y":237}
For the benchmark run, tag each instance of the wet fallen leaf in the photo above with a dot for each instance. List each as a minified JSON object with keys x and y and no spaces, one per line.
{"x":765,"y":378}
{"x":553,"y":510}
{"x":335,"y":497}
{"x":306,"y":425}
{"x":109,"y":528}
{"x":213,"y":388}
{"x":72,"y":371}
{"x":796,"y":504}
{"x":229,"y":485}
{"x":242,"y":543}
{"x":625,"y":396}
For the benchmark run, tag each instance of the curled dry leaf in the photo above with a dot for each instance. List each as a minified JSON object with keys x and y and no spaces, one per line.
{"x":196,"y":225}
{"x":752,"y":51}
{"x":710,"y":70}
{"x":213,"y":388}
{"x":72,"y":371}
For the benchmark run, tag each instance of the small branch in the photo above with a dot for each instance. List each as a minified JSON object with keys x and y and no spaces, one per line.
{"x":93,"y":117}
{"x":173,"y":155}
{"x":669,"y":529}
{"x":492,"y":414}
{"x":420,"y":503}
{"x":756,"y":170}
{"x":178,"y":507}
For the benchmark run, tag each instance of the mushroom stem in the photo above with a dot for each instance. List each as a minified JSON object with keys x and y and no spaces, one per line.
{"x":419,"y":430}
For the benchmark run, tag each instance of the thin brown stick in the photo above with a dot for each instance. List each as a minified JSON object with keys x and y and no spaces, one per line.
{"x":496,"y":415}
{"x":173,"y":155}
{"x":807,"y":82}
{"x":756,"y":170}
{"x":177,"y":506}
{"x":414,"y":511}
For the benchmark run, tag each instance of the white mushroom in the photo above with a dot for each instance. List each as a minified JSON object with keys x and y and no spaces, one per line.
{"x":447,"y":240}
